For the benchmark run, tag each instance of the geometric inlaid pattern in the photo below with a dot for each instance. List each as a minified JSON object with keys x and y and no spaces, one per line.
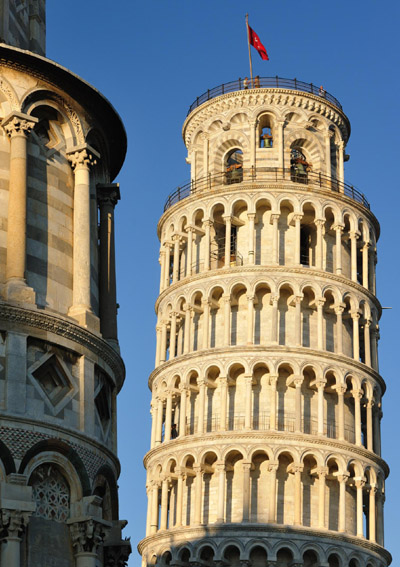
{"x":53,"y":381}
{"x":51,"y":493}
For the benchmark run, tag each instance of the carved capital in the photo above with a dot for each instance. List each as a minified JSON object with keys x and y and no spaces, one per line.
{"x":117,"y":555}
{"x":320,"y":301}
{"x":108,"y":194}
{"x":359,"y":482}
{"x":13,"y":523}
{"x":341,"y":389}
{"x":18,"y":124}
{"x":275,"y":217}
{"x":83,"y":156}
{"x":319,"y":222}
{"x":250,"y":297}
{"x":272,"y":466}
{"x":343,"y":477}
{"x":339,"y":308}
{"x":322,"y":472}
{"x":320,"y":383}
{"x":87,"y":535}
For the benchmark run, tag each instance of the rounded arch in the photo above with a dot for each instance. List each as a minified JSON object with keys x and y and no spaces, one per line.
{"x":45,"y":450}
{"x":7,"y":459}
{"x":107,"y":473}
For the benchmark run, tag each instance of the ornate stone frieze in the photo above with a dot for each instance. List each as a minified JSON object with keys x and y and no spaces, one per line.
{"x":17,"y":123}
{"x":69,"y":330}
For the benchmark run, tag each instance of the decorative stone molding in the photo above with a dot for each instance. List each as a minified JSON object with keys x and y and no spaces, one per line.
{"x":67,"y":329}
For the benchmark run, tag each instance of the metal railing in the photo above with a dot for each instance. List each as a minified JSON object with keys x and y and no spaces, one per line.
{"x":314,"y":181}
{"x":264,"y":83}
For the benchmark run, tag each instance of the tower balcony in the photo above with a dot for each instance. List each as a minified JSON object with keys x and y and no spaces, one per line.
{"x":291,"y":178}
{"x":264,"y":83}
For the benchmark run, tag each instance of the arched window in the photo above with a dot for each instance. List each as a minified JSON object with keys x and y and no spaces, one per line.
{"x":299,"y":167}
{"x":234,"y":166}
{"x":265,"y":132}
{"x":51,"y":493}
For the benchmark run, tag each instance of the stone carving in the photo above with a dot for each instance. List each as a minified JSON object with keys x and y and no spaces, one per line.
{"x":17,"y":125}
{"x":12,"y":523}
{"x":87,"y":535}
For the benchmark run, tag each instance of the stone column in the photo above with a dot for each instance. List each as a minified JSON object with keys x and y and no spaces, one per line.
{"x":338,"y":229}
{"x":340,"y":390}
{"x":353,"y":242}
{"x":202,"y":400}
{"x":149,"y":503}
{"x":158,"y":345}
{"x":82,"y":158}
{"x":298,"y":381}
{"x":107,"y":197}
{"x":377,"y":415}
{"x":167,"y":264}
{"x":163,"y":347}
{"x":341,"y":161}
{"x":328,"y":135}
{"x":356,"y":335}
{"x":162,"y":269}
{"x":205,"y":154}
{"x":227,"y":319}
{"x":297,"y":225}
{"x":186,"y":337}
{"x":342,"y":479}
{"x":13,"y":524}
{"x":297,"y":331}
{"x":182,"y":411}
{"x":220,"y":466}
{"x":357,"y":395}
{"x":372,"y":512}
{"x":321,"y":417}
{"x":172,"y":335}
{"x":160,"y":411}
{"x":275,"y":239}
{"x":190,"y":231}
{"x":359,"y":483}
{"x":223,"y":385}
{"x":198,"y":493}
{"x":153,"y":413}
{"x":164,"y":503}
{"x":179,"y":497}
{"x":86,"y":537}
{"x":206,"y":322}
{"x":228,"y":224}
{"x":273,"y":380}
{"x":365,"y":264}
{"x":17,"y":127}
{"x":246,"y":491}
{"x":207,"y":225}
{"x":380,"y":501}
{"x":168,"y":417}
{"x":247,"y":401}
{"x":253,"y":142}
{"x":274,"y":319}
{"x":154,"y":507}
{"x":252,"y":218}
{"x":370,"y":439}
{"x":367,"y":341}
{"x":320,"y":322}
{"x":322,"y":472}
{"x":250,"y":319}
{"x":374,"y":332}
{"x":280,"y":124}
{"x":272,"y":468}
{"x":297,"y":470}
{"x":175,"y":271}
{"x":339,"y":327}
{"x":320,"y":223}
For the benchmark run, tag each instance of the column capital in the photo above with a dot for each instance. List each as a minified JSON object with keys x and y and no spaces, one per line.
{"x":296,"y":468}
{"x":273,"y":378}
{"x":275,"y":216}
{"x":338,"y":227}
{"x":226,"y":298}
{"x":19,"y":124}
{"x":220,"y":466}
{"x":355,"y":314}
{"x":298,"y":216}
{"x":322,"y":471}
{"x":339,"y":308}
{"x":108,"y":194}
{"x":320,"y":383}
{"x":83,"y":156}
{"x":354,"y":234}
{"x":87,"y":534}
{"x":320,"y":301}
{"x":250,"y":297}
{"x":13,"y":523}
{"x":343,"y":477}
{"x":227,"y":218}
{"x":274,"y":299}
{"x":341,"y":389}
{"x":298,"y":381}
{"x":319,"y":222}
{"x":359,"y":482}
{"x":117,"y":553}
{"x":273,"y":466}
{"x":251,"y":216}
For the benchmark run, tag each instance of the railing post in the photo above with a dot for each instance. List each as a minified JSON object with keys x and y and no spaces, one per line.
{"x":277,"y":81}
{"x":312,"y":88}
{"x":223,"y":89}
{"x":240,"y":84}
{"x":208,"y":94}
{"x":295,"y":83}
{"x":179,"y":193}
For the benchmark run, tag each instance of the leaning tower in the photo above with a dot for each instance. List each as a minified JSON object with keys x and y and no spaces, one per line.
{"x":266,"y":394}
{"x":61,"y":146}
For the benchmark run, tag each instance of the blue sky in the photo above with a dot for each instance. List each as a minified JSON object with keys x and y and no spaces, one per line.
{"x":151,"y":59}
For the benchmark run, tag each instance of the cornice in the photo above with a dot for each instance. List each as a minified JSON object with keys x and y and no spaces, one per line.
{"x":257,"y":97}
{"x":95,"y":104}
{"x":269,"y":186}
{"x":267,"y":351}
{"x":235,"y":270}
{"x":235,"y":437}
{"x":13,"y":315}
{"x":188,"y":533}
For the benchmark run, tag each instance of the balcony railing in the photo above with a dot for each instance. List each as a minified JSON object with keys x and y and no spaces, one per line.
{"x":314,"y":181}
{"x":264,"y":83}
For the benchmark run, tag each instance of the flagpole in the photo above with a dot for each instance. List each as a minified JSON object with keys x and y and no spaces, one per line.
{"x":248,"y":43}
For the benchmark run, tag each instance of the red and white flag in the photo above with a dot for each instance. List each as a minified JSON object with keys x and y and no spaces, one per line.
{"x":255,"y":41}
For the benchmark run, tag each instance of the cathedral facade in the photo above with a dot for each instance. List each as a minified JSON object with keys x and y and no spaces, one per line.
{"x":61,"y":146}
{"x":266,"y":393}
